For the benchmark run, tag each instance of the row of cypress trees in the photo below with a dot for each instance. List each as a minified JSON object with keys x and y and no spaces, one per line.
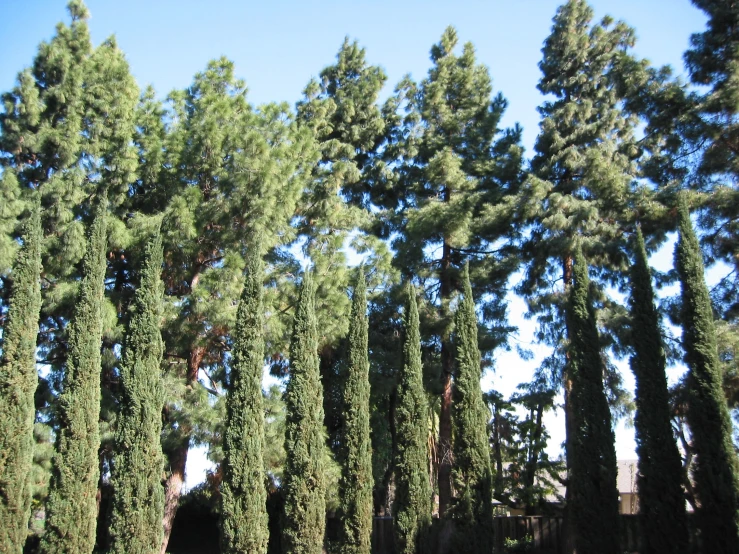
{"x":244,"y":517}
{"x":574,"y":209}
{"x":72,"y":507}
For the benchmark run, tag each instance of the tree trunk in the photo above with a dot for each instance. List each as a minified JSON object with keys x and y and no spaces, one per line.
{"x":533,"y":458}
{"x":444,"y":447}
{"x":178,"y":456}
{"x":173,"y":490}
{"x":381,"y":494}
{"x":497,"y":453}
{"x":567,"y":274}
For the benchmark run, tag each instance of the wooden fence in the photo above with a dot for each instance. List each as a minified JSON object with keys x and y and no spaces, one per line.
{"x":546,"y":533}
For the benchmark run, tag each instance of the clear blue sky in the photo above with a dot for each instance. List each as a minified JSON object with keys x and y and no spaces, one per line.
{"x":279,"y":45}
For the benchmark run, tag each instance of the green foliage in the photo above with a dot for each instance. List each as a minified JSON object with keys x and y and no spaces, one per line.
{"x":580,"y":189}
{"x":11,"y":208}
{"x":473,"y":478}
{"x":518,"y":546}
{"x":713,"y":62}
{"x":230,"y":171}
{"x":592,"y":501}
{"x":340,"y":109}
{"x":355,"y":486}
{"x":716,"y":471}
{"x":659,"y":482}
{"x":412,"y":507}
{"x":525,"y":476}
{"x":18,"y":381}
{"x":138,"y":464}
{"x":581,"y":192}
{"x":244,"y":496}
{"x":304,"y":484}
{"x":71,"y":508}
{"x":450,"y":199}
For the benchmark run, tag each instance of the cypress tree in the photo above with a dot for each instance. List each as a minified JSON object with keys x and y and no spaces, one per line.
{"x":593,"y":502}
{"x":304,"y":516}
{"x":473,"y":480}
{"x":355,"y":486}
{"x":138,"y":495}
{"x":72,"y":509}
{"x":659,"y":481}
{"x":412,"y":507}
{"x":716,"y":472}
{"x":243,"y":492}
{"x":18,"y":380}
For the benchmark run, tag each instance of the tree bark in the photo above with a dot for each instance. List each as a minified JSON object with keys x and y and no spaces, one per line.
{"x":444,"y":447}
{"x":567,"y":275}
{"x":173,"y":490}
{"x":533,"y":458}
{"x":178,"y":456}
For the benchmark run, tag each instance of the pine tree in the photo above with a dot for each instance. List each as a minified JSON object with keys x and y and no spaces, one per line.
{"x":18,"y":380}
{"x":578,"y":197}
{"x":231,"y":170}
{"x":473,"y":479}
{"x":713,"y":64}
{"x":243,"y":492}
{"x":355,"y":486}
{"x":71,"y":508}
{"x":340,"y":108}
{"x":412,"y":507}
{"x":716,"y":471}
{"x":67,"y":131}
{"x":659,"y":482}
{"x":138,"y":464}
{"x":304,"y":516}
{"x":592,"y":505}
{"x":457,"y":173}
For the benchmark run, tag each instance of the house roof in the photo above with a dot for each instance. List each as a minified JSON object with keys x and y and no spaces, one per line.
{"x":625,"y":480}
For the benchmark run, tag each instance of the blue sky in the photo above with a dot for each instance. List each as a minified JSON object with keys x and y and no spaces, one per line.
{"x":277,"y":46}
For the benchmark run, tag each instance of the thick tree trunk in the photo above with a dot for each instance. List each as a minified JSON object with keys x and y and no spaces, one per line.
{"x":173,"y":490}
{"x":444,"y":447}
{"x":567,"y":274}
{"x":178,"y":457}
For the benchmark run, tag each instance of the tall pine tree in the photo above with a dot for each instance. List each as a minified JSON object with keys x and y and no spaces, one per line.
{"x":716,"y":471}
{"x":592,"y":504}
{"x":456,"y":173}
{"x":355,"y":486}
{"x":243,"y":492}
{"x":578,"y":198}
{"x":138,"y":464}
{"x":18,"y":381}
{"x":713,"y":64}
{"x":659,"y":482}
{"x":72,"y":507}
{"x":304,"y":485}
{"x":412,"y":507}
{"x":230,"y":170}
{"x":341,"y":110}
{"x":473,"y":479}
